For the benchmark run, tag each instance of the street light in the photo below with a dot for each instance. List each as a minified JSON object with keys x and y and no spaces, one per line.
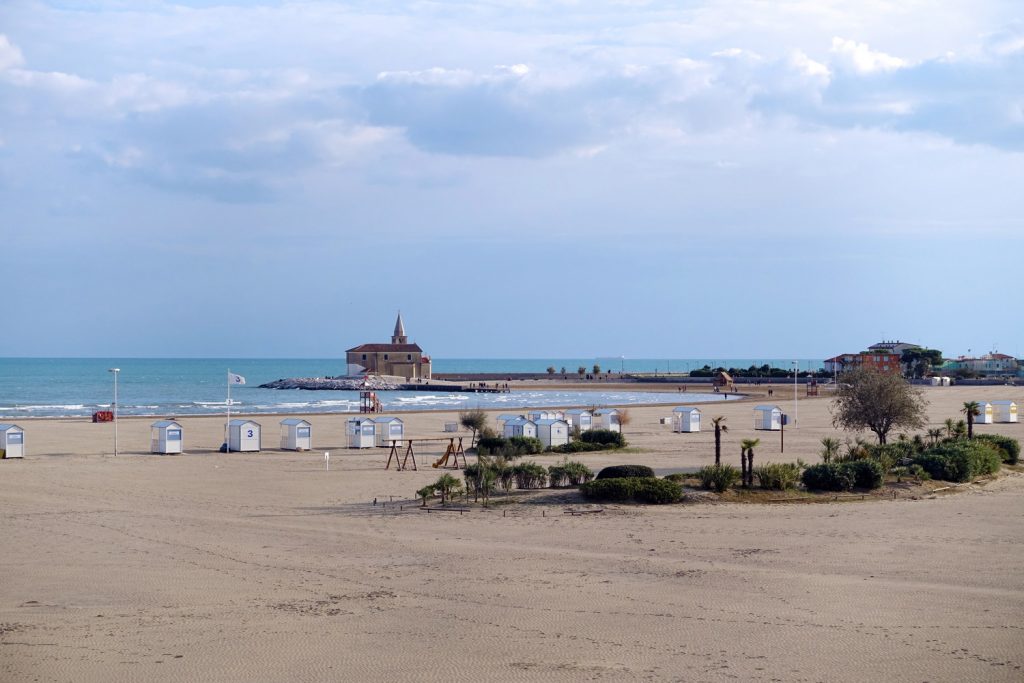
{"x":115,"y":371}
{"x":796,"y":393}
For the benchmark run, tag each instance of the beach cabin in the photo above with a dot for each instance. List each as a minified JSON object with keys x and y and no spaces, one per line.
{"x":545,"y":415}
{"x":607,"y":418}
{"x":244,"y":436}
{"x":578,"y":417}
{"x":946,"y":381}
{"x":389,"y":429}
{"x":686,"y":419}
{"x":935,"y":381}
{"x":165,"y":437}
{"x":986,"y":413}
{"x":768,"y":418}
{"x":361,"y":432}
{"x":504,"y":418}
{"x":12,"y":441}
{"x":553,"y":432}
{"x":1006,"y":411}
{"x":520,"y":426}
{"x":296,"y":435}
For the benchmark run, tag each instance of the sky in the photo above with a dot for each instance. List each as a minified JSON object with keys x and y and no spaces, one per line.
{"x":693,"y":179}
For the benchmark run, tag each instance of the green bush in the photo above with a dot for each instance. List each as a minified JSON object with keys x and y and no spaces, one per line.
{"x":580,"y":447}
{"x":961,"y":460}
{"x":491,"y":445}
{"x":1009,"y":447}
{"x":530,"y":475}
{"x":526,"y":445}
{"x":643,"y":490}
{"x":828,"y":477}
{"x":778,"y":476}
{"x":511,"y":448}
{"x":604,"y":436}
{"x":867,"y":474}
{"x":677,"y":477}
{"x":568,"y":474}
{"x":718,"y":477}
{"x":625,"y":472}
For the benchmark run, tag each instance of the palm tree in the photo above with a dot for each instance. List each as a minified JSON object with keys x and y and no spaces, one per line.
{"x":950,"y":426}
{"x":971,"y":409}
{"x":829,"y":449}
{"x":743,"y":463}
{"x":748,"y":445}
{"x":719,"y":430}
{"x":934,"y":435}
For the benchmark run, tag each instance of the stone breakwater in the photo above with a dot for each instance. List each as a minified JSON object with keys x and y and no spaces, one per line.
{"x":333,"y":384}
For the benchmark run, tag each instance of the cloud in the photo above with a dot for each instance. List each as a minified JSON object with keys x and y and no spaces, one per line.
{"x":10,"y":55}
{"x":862,"y":59}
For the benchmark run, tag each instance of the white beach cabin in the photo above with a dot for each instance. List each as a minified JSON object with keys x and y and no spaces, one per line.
{"x":520,"y":426}
{"x":12,"y":441}
{"x":553,"y":432}
{"x":578,"y":417}
{"x":296,"y":434}
{"x":165,"y":437}
{"x":361,"y":432}
{"x":607,"y":418}
{"x":1006,"y":411}
{"x":935,"y":381}
{"x":503,"y":419}
{"x":768,"y":418}
{"x":545,"y":415}
{"x":946,"y":381}
{"x":389,"y":429}
{"x":986,"y":413}
{"x":686,"y":419}
{"x":244,"y":436}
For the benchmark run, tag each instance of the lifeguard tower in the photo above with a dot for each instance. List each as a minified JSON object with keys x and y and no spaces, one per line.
{"x":368,"y":402}
{"x":812,"y":388}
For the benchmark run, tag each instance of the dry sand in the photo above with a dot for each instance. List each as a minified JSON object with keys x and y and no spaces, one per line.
{"x":264,"y":567}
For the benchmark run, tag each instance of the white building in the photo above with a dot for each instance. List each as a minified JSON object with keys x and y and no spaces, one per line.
{"x":244,"y":436}
{"x":361,"y":432}
{"x":165,"y":437}
{"x":12,"y":441}
{"x":607,"y":418}
{"x":986,"y":414}
{"x":553,"y":432}
{"x":578,"y":417}
{"x":1006,"y":411}
{"x":296,"y":434}
{"x":545,"y":415}
{"x":504,"y":418}
{"x":768,"y":418}
{"x":520,"y":426}
{"x":686,"y":419}
{"x":389,"y":429}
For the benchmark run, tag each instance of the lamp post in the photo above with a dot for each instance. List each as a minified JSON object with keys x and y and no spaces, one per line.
{"x":115,"y":371}
{"x":796,"y":393}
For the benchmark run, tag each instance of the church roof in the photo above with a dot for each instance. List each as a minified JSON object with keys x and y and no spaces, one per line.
{"x":395,"y":348}
{"x":399,"y":326}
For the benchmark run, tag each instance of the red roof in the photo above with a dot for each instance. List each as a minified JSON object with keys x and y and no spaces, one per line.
{"x":386,"y":348}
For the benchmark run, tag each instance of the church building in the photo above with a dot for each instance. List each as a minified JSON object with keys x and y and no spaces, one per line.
{"x":399,"y":358}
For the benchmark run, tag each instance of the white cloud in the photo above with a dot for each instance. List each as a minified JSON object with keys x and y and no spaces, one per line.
{"x":862,"y":59}
{"x":807,"y":66}
{"x":10,"y":55}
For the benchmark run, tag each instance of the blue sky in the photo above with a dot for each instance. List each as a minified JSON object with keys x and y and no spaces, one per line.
{"x":522,"y":179}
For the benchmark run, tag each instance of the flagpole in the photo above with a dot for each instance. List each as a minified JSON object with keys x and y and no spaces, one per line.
{"x":227,"y":425}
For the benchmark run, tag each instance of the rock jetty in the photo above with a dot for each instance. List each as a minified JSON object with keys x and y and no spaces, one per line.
{"x":333,"y":384}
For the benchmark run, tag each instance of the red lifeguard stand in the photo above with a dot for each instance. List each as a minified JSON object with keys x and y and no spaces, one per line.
{"x":368,"y":402}
{"x":812,"y":388}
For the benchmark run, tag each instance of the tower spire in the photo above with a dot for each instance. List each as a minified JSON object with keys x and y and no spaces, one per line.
{"x":399,"y":336}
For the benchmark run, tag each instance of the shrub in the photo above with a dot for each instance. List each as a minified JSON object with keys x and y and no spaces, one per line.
{"x":579,"y":447}
{"x":530,"y":475}
{"x":867,"y":474}
{"x":491,"y":445}
{"x":718,"y":477}
{"x":677,"y":477}
{"x":625,"y":472}
{"x":643,"y":490}
{"x":526,"y":445}
{"x":1009,"y":447}
{"x":569,"y":473}
{"x":778,"y":476}
{"x":961,"y":460}
{"x":604,"y":436}
{"x":828,"y":477}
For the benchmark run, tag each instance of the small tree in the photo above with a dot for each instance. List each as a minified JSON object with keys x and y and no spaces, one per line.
{"x":581,"y":371}
{"x":624,"y":419}
{"x":475,"y":420}
{"x":425,"y":492}
{"x":971,"y":409}
{"x":878,"y":401}
{"x":829,"y":448}
{"x":950,"y":424}
{"x":563,"y":370}
{"x":447,"y":486}
{"x":597,"y":369}
{"x":748,"y":445}
{"x":551,"y":369}
{"x":934,"y":435}
{"x":719,"y":430}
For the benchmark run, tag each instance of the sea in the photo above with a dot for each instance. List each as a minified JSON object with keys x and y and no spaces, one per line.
{"x":77,"y":387}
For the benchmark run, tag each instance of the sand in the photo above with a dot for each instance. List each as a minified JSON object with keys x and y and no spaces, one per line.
{"x":265,"y":567}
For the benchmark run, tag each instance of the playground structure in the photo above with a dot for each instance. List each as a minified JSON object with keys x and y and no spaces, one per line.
{"x":452,"y":454}
{"x":368,"y":402}
{"x":812,"y":388}
{"x":723,"y":380}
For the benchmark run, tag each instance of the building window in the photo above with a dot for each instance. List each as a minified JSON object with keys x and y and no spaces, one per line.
{"x":364,"y":356}
{"x":408,"y":356}
{"x":385,"y":356}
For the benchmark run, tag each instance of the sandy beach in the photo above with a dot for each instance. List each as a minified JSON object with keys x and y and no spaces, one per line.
{"x":265,"y":567}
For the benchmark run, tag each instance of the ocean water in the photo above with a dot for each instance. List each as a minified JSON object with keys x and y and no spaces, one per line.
{"x":49,"y":387}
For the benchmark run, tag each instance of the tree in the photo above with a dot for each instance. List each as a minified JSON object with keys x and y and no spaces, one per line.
{"x":971,"y":409}
{"x":563,"y":371}
{"x":425,"y":492}
{"x":551,"y":369}
{"x":935,"y":434}
{"x":581,"y":371}
{"x":624,"y":419}
{"x":447,"y":486}
{"x":748,"y":446}
{"x":719,"y":430}
{"x":597,"y":369}
{"x":829,"y":449}
{"x":878,"y":401}
{"x":950,"y":424}
{"x":475,"y":420}
{"x":918,"y":362}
